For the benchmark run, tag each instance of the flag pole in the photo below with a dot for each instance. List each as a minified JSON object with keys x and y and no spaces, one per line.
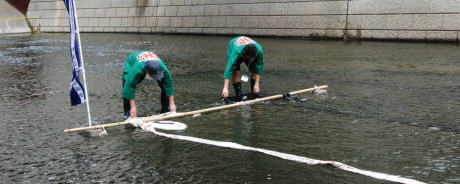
{"x":82,"y":67}
{"x":73,"y":15}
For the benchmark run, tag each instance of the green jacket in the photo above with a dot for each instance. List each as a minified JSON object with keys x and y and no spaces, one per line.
{"x":134,"y":72}
{"x":235,"y":55}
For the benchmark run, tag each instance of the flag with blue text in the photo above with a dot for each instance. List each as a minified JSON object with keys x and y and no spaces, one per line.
{"x":77,"y":92}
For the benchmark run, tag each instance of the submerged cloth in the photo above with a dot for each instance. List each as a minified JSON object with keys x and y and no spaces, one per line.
{"x":235,"y":56}
{"x":134,"y":72}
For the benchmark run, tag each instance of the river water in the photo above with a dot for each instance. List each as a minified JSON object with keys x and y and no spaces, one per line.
{"x":390,"y":107}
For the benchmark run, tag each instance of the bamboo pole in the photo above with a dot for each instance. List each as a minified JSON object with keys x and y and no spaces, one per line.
{"x":156,"y":118}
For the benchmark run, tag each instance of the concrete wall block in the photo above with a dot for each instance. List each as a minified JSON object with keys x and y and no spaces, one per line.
{"x":133,"y":12}
{"x":224,"y":31}
{"x":195,"y":30}
{"x":327,"y":22}
{"x":233,"y":21}
{"x":259,"y":9}
{"x":81,"y":22}
{"x":203,"y":22}
{"x":190,"y":21}
{"x":354,"y":22}
{"x":427,"y":22}
{"x":157,"y":30}
{"x":145,"y":30}
{"x":100,"y":13}
{"x":122,"y":12}
{"x":93,"y":4}
{"x":338,"y":7}
{"x":164,"y":2}
{"x":132,"y":30}
{"x":150,"y":21}
{"x":451,"y":22}
{"x":401,"y":21}
{"x":257,"y":32}
{"x":98,"y":29}
{"x":120,"y":30}
{"x":211,"y":10}
{"x":181,"y":30}
{"x":250,"y":22}
{"x":243,"y":9}
{"x":129,"y":3}
{"x":217,"y":22}
{"x":175,"y":22}
{"x":86,"y":29}
{"x":415,"y":6}
{"x":169,"y":30}
{"x":445,"y":6}
{"x":160,"y":11}
{"x":305,"y":21}
{"x":316,"y":33}
{"x":139,"y":22}
{"x":105,"y":4}
{"x":287,"y":22}
{"x":318,"y":8}
{"x":385,"y":34}
{"x":361,"y":7}
{"x":412,"y":35}
{"x":334,"y":33}
{"x":177,"y":2}
{"x":127,"y":22}
{"x":275,"y":32}
{"x":147,"y":11}
{"x":163,"y":21}
{"x":296,"y":8}
{"x":366,"y":34}
{"x":93,"y":22}
{"x":209,"y":30}
{"x":240,"y":31}
{"x":117,"y":3}
{"x":267,"y":22}
{"x":226,"y":9}
{"x":197,"y":10}
{"x":115,"y":22}
{"x":387,"y":6}
{"x":88,"y":13}
{"x":277,"y":9}
{"x":442,"y":35}
{"x":104,"y":22}
{"x":373,"y":21}
{"x":295,"y":32}
{"x":110,"y":12}
{"x":171,"y":11}
{"x":183,"y":10}
{"x":109,"y":29}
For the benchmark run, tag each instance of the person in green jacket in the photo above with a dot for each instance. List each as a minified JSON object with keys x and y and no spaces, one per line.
{"x":137,"y":66}
{"x":243,"y":49}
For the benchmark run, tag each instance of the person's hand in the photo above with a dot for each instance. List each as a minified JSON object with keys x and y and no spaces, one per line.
{"x":225,"y":93}
{"x":172,"y":108}
{"x":256,"y":89}
{"x":133,"y":112}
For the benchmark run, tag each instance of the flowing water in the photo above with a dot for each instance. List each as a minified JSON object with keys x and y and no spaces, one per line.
{"x":390,"y":107}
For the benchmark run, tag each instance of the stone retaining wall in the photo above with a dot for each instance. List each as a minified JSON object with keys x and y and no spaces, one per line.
{"x":422,"y":20}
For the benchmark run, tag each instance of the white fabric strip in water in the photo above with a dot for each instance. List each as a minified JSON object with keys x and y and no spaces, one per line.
{"x":171,"y":125}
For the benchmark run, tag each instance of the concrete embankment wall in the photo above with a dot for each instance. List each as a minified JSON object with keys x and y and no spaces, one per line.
{"x":422,"y":20}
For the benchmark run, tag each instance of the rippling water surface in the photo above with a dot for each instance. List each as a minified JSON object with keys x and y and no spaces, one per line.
{"x":391,"y":108}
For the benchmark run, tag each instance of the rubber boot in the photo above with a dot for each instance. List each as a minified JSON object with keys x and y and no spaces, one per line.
{"x":237,"y":88}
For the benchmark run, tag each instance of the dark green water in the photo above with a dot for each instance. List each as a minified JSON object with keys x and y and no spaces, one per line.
{"x":391,"y":108}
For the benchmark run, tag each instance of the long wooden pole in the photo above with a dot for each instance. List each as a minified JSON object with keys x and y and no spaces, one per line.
{"x":156,"y":118}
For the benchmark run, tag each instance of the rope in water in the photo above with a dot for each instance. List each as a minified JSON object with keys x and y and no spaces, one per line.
{"x":171,"y":125}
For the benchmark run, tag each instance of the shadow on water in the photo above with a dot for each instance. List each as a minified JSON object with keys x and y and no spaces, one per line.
{"x":383,"y":110}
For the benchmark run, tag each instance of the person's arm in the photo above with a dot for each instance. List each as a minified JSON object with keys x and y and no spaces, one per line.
{"x":133,"y":110}
{"x":225,"y":90}
{"x":172,"y":106}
